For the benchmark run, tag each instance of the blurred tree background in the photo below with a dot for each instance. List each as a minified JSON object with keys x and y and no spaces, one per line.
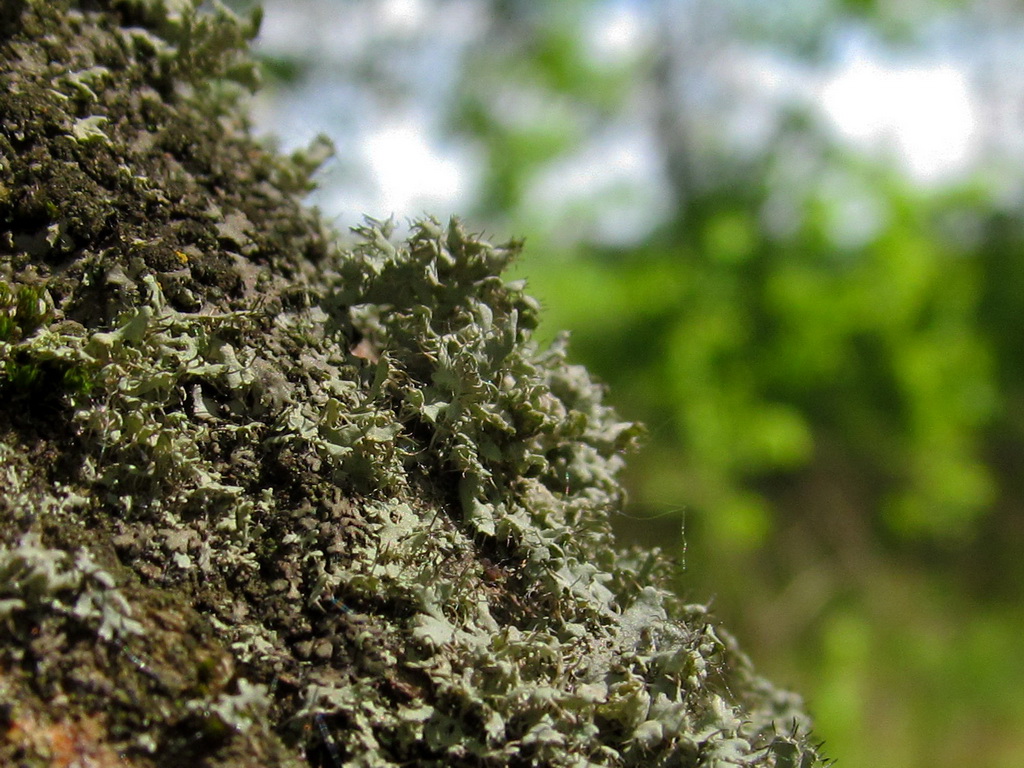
{"x":789,"y":237}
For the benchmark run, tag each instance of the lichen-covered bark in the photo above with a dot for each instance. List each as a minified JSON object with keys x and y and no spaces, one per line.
{"x":271,"y":502}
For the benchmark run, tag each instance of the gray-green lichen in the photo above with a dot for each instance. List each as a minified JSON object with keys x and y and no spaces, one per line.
{"x":272,"y":502}
{"x":34,"y":578}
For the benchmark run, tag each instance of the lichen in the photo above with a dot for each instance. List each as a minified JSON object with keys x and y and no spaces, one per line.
{"x":273,"y":501}
{"x":34,"y":578}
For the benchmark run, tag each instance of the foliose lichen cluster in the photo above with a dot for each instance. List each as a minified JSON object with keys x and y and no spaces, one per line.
{"x":271,"y":501}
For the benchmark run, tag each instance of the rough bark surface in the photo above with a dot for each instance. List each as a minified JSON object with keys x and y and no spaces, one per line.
{"x":270,"y":502}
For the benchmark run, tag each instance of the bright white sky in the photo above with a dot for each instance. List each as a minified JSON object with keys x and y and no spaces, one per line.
{"x":410,"y":174}
{"x":923,"y":113}
{"x":405,"y":15}
{"x":920,"y":112}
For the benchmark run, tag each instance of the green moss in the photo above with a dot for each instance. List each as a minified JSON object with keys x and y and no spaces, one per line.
{"x":32,"y":366}
{"x":23,"y":309}
{"x":358,"y":517}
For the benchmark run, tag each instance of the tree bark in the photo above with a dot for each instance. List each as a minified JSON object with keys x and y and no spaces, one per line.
{"x":269,"y":501}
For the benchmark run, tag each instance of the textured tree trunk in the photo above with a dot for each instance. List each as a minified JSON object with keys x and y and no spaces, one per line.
{"x":269,"y":502}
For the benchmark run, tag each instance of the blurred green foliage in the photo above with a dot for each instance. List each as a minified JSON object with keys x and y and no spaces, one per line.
{"x":756,"y":347}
